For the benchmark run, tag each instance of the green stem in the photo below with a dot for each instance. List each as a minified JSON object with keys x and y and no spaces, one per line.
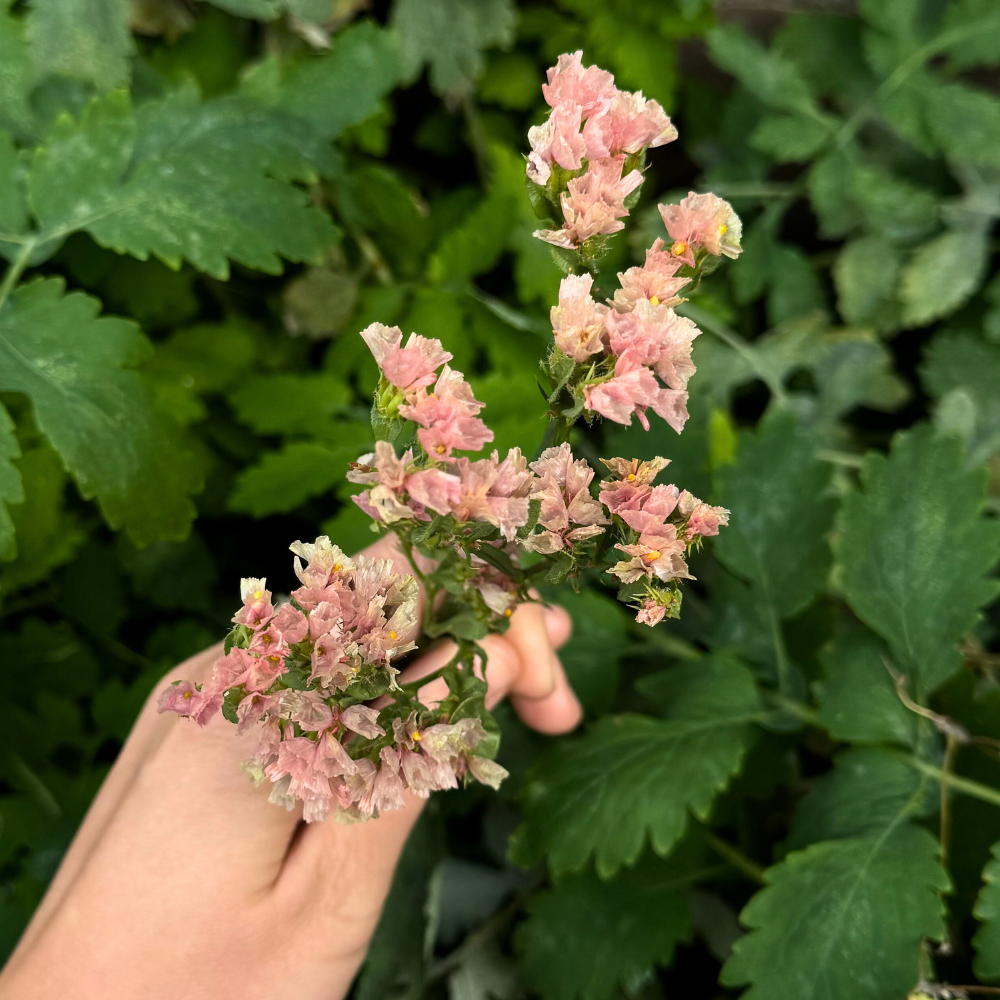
{"x":734,"y":856}
{"x":731,"y":338}
{"x":957,"y":783}
{"x":15,"y":270}
{"x":843,"y":458}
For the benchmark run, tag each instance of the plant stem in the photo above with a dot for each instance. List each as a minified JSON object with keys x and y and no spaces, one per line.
{"x":15,"y":270}
{"x":734,"y":856}
{"x":950,"y":749}
{"x":968,"y":787}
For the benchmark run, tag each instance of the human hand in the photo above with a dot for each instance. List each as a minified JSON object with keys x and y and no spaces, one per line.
{"x":185,"y":882}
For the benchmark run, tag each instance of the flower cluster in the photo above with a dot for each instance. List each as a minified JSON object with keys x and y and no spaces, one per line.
{"x":298,"y":675}
{"x":593,"y":140}
{"x":316,"y":677}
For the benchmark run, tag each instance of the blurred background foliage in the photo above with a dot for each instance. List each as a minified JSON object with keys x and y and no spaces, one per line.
{"x":377,"y":148}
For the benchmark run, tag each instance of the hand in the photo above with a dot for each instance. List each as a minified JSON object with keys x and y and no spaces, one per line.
{"x":184,"y":881}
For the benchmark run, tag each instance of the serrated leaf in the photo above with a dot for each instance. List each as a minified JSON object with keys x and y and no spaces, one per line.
{"x":13,"y":210}
{"x":296,"y":404}
{"x":963,"y":364}
{"x":98,"y":415}
{"x":987,"y":912}
{"x":943,"y":274}
{"x":965,"y":123}
{"x":11,"y":488}
{"x":913,"y":549}
{"x":451,"y":35}
{"x":178,"y":179}
{"x":779,"y":515}
{"x":843,"y":918}
{"x":792,"y":138}
{"x":864,"y":794}
{"x":283,"y":480}
{"x":857,"y":699}
{"x":86,"y":39}
{"x":585,"y":936}
{"x":631,"y":776}
{"x":17,"y":77}
{"x":766,"y":73}
{"x":865,"y":275}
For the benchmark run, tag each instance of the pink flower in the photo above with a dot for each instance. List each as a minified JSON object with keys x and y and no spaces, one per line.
{"x":253,"y":709}
{"x":578,"y":321}
{"x":702,"y":519}
{"x":558,"y":140}
{"x":655,"y":336}
{"x":408,"y":368}
{"x":568,"y":513}
{"x":291,"y":624}
{"x":702,"y":220}
{"x":257,"y":607}
{"x":594,"y":203}
{"x":188,"y":701}
{"x":435,"y":489}
{"x":494,"y":492}
{"x":656,"y":507}
{"x":592,"y":88}
{"x":447,"y":417}
{"x":268,"y":641}
{"x":309,"y":765}
{"x":655,"y":281}
{"x":264,"y":670}
{"x":308,"y":708}
{"x":633,"y":124}
{"x":324,"y":562}
{"x":486,"y":771}
{"x":650,"y":613}
{"x":362,"y":720}
{"x":391,"y":477}
{"x":658,"y":552}
{"x":631,"y":390}
{"x":630,"y":487}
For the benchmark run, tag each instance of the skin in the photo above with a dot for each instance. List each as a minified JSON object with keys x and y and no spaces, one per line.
{"x":184,"y":881}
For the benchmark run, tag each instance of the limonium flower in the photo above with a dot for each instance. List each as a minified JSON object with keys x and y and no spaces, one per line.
{"x":702,"y":221}
{"x":655,"y":282}
{"x":578,"y":321}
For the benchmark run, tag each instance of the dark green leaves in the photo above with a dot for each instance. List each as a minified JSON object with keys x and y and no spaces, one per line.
{"x":987,"y":911}
{"x":585,"y":936}
{"x":913,"y":550}
{"x":11,"y":490}
{"x":630,"y":776}
{"x":98,"y":415}
{"x":179,"y":179}
{"x":845,"y":917}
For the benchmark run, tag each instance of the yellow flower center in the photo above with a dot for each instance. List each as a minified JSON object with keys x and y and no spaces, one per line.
{"x":679,"y":248}
{"x":653,"y":555}
{"x":266,"y":639}
{"x":440,"y":449}
{"x":630,"y":477}
{"x":186,"y":696}
{"x":274,"y":659}
{"x":416,"y":736}
{"x":392,"y":634}
{"x":509,"y":612}
{"x":655,"y":300}
{"x":723,"y":229}
{"x":337,"y":568}
{"x":257,"y":595}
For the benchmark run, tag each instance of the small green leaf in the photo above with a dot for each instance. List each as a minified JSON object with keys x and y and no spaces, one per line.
{"x":865,"y":275}
{"x":450,"y":36}
{"x":858,"y":699}
{"x":792,"y":138}
{"x":86,"y":39}
{"x":943,"y":274}
{"x":98,"y":415}
{"x":913,"y":550}
{"x":585,"y":936}
{"x":283,"y":480}
{"x":987,"y":912}
{"x":17,"y":77}
{"x":630,"y":776}
{"x":296,"y":404}
{"x":11,"y":488}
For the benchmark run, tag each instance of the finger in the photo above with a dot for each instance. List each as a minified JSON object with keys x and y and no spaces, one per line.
{"x":557,"y":712}
{"x":529,"y":635}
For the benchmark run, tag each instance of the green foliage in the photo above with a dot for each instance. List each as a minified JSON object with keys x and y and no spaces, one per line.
{"x":631,"y":775}
{"x":913,"y":550}
{"x":249,"y":200}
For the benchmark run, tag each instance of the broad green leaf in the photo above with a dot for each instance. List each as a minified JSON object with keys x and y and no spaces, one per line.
{"x":767,"y":74}
{"x":975,"y":26}
{"x":13,"y":211}
{"x":584,"y":937}
{"x":292,"y":404}
{"x":987,"y":912}
{"x":965,"y":123}
{"x":283,"y":480}
{"x":864,"y":794}
{"x":11,"y":489}
{"x":943,"y":274}
{"x":776,"y":538}
{"x":792,"y":137}
{"x":631,"y":776}
{"x":47,"y":534}
{"x":843,"y":918}
{"x":450,"y":36}
{"x":98,"y":415}
{"x":892,"y":206}
{"x":17,"y":77}
{"x":344,"y":86}
{"x":961,"y":368}
{"x":858,"y":699}
{"x":913,"y":548}
{"x":86,"y":39}
{"x":865,"y":275}
{"x":179,"y":179}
